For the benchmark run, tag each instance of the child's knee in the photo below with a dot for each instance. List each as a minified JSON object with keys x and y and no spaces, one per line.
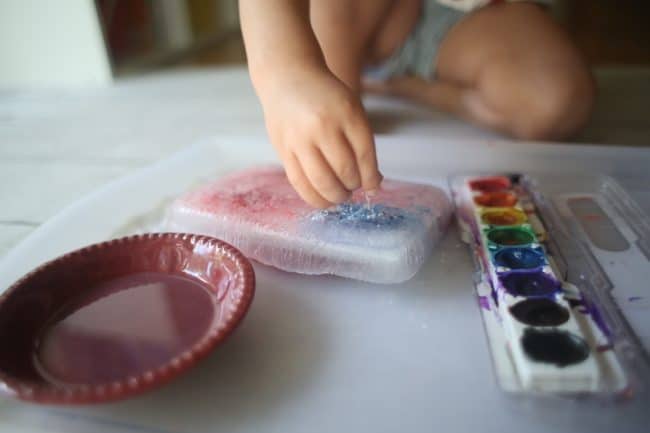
{"x":559,"y":109}
{"x":550,"y":107}
{"x":554,"y":112}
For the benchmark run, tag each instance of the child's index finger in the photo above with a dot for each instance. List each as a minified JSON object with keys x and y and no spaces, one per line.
{"x":361,"y":139}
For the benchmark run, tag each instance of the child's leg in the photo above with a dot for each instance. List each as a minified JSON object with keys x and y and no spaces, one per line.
{"x":346,"y":31}
{"x":511,"y":68}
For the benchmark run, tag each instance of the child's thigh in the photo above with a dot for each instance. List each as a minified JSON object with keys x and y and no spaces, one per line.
{"x":344,"y":29}
{"x":521,"y":39}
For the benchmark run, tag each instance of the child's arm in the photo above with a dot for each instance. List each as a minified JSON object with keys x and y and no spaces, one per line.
{"x":316,"y":123}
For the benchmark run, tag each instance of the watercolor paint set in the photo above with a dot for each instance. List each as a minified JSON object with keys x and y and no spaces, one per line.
{"x":563,"y":265}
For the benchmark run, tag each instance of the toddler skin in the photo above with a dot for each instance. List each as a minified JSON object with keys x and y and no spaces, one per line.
{"x":508,"y":67}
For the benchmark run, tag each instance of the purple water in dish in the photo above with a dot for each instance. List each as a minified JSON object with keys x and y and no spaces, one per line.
{"x":124,"y":327}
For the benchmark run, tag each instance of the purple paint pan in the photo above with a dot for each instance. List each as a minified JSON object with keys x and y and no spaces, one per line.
{"x":116,"y":319}
{"x":523,"y":283}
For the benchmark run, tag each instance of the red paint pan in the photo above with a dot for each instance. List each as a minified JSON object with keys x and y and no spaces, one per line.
{"x":119,"y":318}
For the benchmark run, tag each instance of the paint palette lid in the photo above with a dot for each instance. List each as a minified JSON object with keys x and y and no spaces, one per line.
{"x":611,"y":258}
{"x":116,"y":319}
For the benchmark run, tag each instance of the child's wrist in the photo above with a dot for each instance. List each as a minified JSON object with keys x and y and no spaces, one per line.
{"x":267,"y":78}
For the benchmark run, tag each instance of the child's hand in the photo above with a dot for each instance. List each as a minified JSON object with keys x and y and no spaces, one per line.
{"x":322,"y":135}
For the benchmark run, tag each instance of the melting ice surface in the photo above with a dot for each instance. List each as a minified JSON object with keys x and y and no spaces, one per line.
{"x":258,"y":211}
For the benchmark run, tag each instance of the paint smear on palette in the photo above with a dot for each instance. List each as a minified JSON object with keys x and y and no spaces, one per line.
{"x":586,"y":307}
{"x":484,"y":302}
{"x":258,"y":211}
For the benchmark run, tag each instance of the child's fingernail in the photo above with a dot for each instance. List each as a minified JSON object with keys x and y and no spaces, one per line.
{"x":371,"y":192}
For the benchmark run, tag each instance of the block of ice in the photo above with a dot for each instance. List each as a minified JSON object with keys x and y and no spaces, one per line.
{"x":258,"y":211}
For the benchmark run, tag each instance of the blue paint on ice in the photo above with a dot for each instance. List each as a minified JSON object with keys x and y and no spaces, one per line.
{"x":361,"y":216}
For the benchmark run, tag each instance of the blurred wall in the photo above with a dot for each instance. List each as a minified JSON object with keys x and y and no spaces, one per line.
{"x":51,"y":43}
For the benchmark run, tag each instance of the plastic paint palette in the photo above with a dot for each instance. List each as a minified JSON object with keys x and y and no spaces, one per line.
{"x":546,"y":334}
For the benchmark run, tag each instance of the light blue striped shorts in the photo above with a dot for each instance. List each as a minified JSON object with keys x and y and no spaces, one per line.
{"x":417,"y":56}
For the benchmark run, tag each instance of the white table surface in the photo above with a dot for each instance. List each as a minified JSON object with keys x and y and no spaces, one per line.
{"x":56,"y":147}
